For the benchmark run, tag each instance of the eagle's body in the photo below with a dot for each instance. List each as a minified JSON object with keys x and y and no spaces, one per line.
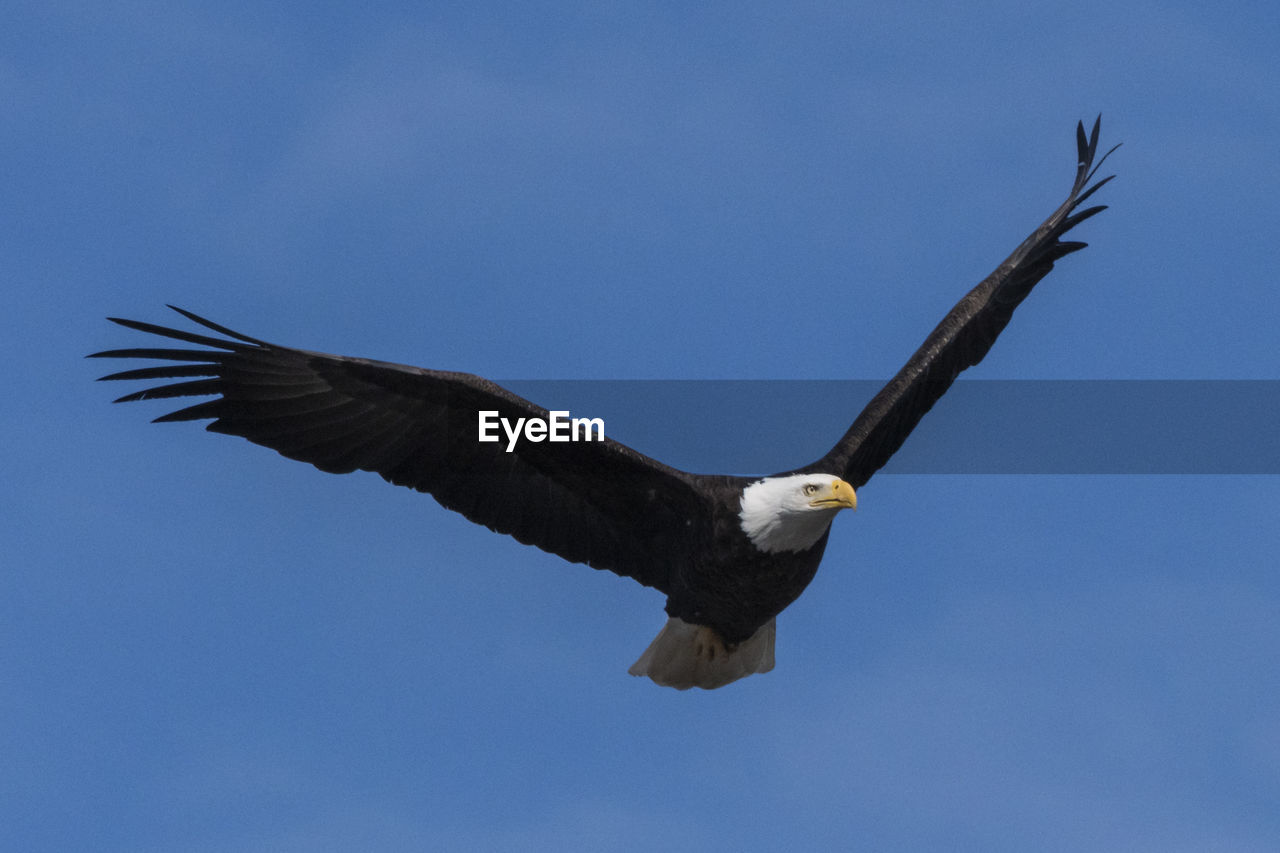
{"x":730,"y":553}
{"x":722,"y":579}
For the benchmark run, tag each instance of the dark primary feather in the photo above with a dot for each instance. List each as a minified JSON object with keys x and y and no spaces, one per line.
{"x":599,"y":503}
{"x":966,"y":334}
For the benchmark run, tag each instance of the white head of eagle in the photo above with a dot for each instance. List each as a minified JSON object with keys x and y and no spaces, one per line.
{"x":791,"y":513}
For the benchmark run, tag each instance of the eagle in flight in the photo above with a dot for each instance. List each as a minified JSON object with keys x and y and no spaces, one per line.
{"x":730,"y":553}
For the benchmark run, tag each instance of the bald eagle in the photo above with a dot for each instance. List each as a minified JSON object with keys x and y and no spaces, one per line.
{"x":730,"y":553}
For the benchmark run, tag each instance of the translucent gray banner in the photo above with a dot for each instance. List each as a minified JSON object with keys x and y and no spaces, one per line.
{"x":978,"y":427}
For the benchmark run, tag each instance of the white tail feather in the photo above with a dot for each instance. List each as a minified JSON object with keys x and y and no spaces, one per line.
{"x":685,"y":655}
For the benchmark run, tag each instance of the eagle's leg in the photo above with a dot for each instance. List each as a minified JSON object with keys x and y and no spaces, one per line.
{"x":708,"y":644}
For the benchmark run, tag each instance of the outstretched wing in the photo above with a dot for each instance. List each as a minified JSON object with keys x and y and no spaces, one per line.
{"x":594,"y":502}
{"x":965,"y":335}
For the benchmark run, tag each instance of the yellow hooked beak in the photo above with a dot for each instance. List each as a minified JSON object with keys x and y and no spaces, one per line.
{"x":838,"y":495}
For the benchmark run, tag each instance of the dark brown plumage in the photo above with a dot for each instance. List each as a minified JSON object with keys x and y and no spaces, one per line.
{"x":599,"y":503}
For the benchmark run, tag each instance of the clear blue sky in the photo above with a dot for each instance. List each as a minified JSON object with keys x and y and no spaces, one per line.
{"x":206,"y":647}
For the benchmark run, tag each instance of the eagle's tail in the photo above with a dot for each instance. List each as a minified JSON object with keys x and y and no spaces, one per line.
{"x":685,"y":655}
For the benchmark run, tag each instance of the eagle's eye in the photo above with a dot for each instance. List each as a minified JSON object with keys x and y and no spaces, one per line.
{"x":810,"y":489}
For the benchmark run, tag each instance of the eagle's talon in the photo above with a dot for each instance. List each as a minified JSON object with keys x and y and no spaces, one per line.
{"x":707,"y":644}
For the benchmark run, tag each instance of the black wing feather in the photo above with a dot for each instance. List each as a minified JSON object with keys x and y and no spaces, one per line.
{"x":599,"y":503}
{"x":966,"y":334}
